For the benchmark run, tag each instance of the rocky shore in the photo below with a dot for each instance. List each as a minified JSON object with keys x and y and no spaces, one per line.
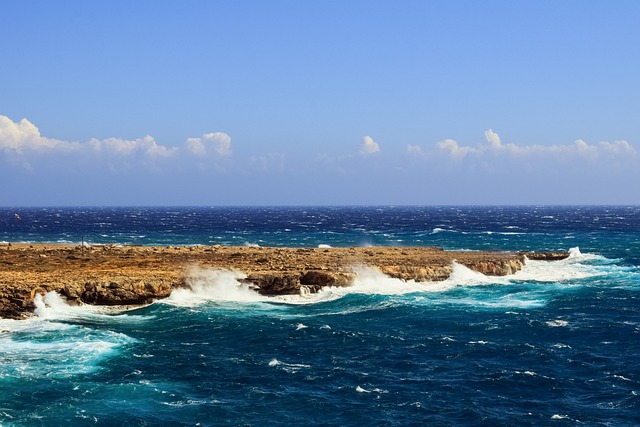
{"x":131,"y":275}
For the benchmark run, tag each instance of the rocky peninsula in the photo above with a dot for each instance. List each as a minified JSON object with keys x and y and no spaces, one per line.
{"x":133,"y":275}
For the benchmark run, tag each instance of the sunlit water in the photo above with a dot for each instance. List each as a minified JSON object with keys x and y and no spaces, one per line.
{"x":555,"y":344}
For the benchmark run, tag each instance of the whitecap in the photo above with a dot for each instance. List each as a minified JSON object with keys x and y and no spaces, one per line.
{"x":620,"y":377}
{"x":287,"y":367}
{"x":374,"y":390}
{"x":561,"y":345}
{"x":528,"y":373}
{"x":557,"y":323}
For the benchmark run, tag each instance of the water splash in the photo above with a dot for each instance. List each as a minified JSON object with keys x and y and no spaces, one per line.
{"x":206,"y":285}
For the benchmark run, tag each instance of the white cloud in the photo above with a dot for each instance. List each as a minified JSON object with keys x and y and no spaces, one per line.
{"x":415,"y":150}
{"x":578,"y":148}
{"x":126,"y":147}
{"x":493,"y":138}
{"x":219,"y":142}
{"x":454,"y":149}
{"x":24,"y":136}
{"x":617,"y":147}
{"x":369,"y":146}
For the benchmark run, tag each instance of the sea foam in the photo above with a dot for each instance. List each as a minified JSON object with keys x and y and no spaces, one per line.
{"x":41,"y":348}
{"x":53,"y":306}
{"x":205,"y":285}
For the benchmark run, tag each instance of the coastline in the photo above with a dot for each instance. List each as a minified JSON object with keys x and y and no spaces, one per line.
{"x":137,"y":275}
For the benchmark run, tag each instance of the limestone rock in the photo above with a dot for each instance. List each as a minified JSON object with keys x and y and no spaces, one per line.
{"x":112,"y":275}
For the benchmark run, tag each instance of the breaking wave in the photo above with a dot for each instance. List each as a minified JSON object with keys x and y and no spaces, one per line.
{"x":221,"y":286}
{"x":39,"y":347}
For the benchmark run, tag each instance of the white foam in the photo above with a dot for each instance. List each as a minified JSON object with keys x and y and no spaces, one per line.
{"x":288,"y":367}
{"x":213,"y":285}
{"x":464,"y":276}
{"x":40,"y":348}
{"x":576,"y":256}
{"x":375,"y":390}
{"x":557,"y":323}
{"x":574,"y":267}
{"x":368,"y":281}
{"x":53,"y":306}
{"x":274,"y":362}
{"x":324,"y":246}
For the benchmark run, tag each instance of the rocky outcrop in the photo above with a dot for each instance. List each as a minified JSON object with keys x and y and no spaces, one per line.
{"x":545,"y":256}
{"x":109,"y":275}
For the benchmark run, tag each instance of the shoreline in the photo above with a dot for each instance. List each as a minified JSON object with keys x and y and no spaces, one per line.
{"x":138,"y":275}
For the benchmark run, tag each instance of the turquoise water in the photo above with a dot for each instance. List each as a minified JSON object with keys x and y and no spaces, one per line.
{"x":555,"y":344}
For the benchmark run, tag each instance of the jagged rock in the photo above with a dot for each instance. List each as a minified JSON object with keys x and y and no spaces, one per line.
{"x":317,"y":279}
{"x":545,"y":256}
{"x":115,"y":275}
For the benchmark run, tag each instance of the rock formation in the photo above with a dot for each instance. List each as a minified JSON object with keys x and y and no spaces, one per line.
{"x":112,"y":275}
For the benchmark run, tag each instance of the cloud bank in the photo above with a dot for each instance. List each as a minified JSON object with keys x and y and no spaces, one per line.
{"x":205,"y":170}
{"x":495,"y":145}
{"x":23,"y":139}
{"x":217,"y":142}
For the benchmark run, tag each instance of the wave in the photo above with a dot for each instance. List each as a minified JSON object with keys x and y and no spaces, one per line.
{"x":212,"y":285}
{"x":207,"y":285}
{"x":287,"y":367}
{"x":41,"y":348}
{"x":53,"y":306}
{"x":577,"y":266}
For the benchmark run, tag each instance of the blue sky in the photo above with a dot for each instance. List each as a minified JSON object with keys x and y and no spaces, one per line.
{"x":319,"y":102}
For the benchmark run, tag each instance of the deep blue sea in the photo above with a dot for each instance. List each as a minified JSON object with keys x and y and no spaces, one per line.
{"x":555,"y":344}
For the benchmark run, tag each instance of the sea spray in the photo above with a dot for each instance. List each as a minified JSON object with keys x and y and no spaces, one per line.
{"x":206,"y":285}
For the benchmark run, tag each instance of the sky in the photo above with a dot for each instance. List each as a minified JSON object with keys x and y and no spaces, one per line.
{"x":216,"y":103}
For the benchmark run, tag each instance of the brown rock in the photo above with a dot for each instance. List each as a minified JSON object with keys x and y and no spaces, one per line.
{"x":113,"y":275}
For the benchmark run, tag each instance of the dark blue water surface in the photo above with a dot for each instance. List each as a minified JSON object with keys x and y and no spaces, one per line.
{"x":556,"y":344}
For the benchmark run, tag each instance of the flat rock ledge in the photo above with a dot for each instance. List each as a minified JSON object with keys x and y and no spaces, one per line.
{"x":136,"y":275}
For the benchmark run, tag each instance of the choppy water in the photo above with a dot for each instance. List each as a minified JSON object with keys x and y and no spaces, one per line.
{"x":556,"y":344}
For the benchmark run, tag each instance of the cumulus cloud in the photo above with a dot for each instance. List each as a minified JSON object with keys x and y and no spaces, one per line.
{"x":493,"y":138}
{"x":369,"y":146}
{"x":495,"y":145}
{"x":21,"y":141}
{"x":126,"y":147}
{"x":454,"y":149}
{"x":218,"y":142}
{"x":24,"y":137}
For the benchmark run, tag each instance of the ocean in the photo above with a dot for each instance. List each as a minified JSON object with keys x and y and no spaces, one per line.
{"x":558,"y":343}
